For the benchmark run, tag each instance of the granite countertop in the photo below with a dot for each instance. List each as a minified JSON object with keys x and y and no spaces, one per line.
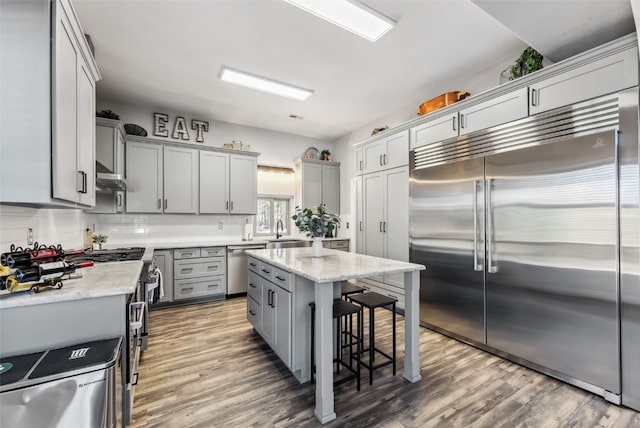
{"x":103,"y":279}
{"x":334,"y":266}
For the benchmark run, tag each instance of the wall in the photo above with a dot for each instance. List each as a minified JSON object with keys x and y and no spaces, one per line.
{"x":50,"y":226}
{"x":275,"y":148}
{"x":473,"y":81}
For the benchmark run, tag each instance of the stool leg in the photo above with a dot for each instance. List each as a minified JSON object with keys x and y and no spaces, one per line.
{"x":358,"y":349}
{"x":394,"y":338}
{"x":371,"y":345}
{"x":338,"y":343}
{"x":313,"y":362}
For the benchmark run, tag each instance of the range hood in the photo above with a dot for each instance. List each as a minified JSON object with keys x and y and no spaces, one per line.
{"x":107,"y":181}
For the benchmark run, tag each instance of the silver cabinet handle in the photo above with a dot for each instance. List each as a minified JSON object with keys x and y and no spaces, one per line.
{"x":381,"y":160}
{"x":119,"y":203}
{"x":252,"y":285}
{"x":380,"y":227}
{"x":252,"y":264}
{"x":454,"y":123}
{"x":252,"y":313}
{"x":280,"y":279}
{"x":166,"y":203}
{"x":384,"y":159}
{"x":231,"y":205}
{"x":227,"y":208}
{"x":534,"y":97}
{"x":213,"y":267}
{"x":186,"y":270}
{"x":159,"y":202}
{"x":461,"y":121}
{"x":212,"y":286}
{"x":384,"y":226}
{"x":266,"y":271}
{"x":490,"y":267}
{"x":361,"y":228}
{"x":360,"y":165}
{"x":269,"y":294}
{"x":187,"y":290}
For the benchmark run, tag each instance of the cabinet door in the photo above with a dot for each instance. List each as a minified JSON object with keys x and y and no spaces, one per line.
{"x":119,"y":157}
{"x":331,"y":188}
{"x":397,"y":150}
{"x":144,"y":178}
{"x":66,"y":180}
{"x":180,"y":180}
{"x":268,"y":313}
{"x":106,"y":147}
{"x":282,"y":306}
{"x":373,"y":214}
{"x":86,"y":122}
{"x":164,"y":261}
{"x":499,"y":110}
{"x":435,"y":130}
{"x":601,"y":77}
{"x":396,"y":222}
{"x":359,"y":224}
{"x":372,"y":154}
{"x":243,"y":185}
{"x":214,"y":183}
{"x":311,"y":185}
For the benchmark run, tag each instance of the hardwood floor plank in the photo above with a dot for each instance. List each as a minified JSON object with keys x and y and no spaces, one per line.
{"x":207,"y":367}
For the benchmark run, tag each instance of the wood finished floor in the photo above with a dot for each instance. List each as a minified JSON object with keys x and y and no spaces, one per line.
{"x":207,"y":367}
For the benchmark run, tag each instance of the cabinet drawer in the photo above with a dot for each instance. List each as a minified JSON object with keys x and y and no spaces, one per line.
{"x":253,"y":264}
{"x":281,"y":278}
{"x":186,"y":253}
{"x":254,"y":314}
{"x":254,"y":288}
{"x":326,"y":244}
{"x":384,"y":289}
{"x":212,"y":251}
{"x":200,"y":287}
{"x":190,"y":268}
{"x":340,"y":245}
{"x":265,"y":270}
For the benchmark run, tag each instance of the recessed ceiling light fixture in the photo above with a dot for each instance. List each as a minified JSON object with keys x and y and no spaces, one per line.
{"x":263,"y":84}
{"x":351,"y":16}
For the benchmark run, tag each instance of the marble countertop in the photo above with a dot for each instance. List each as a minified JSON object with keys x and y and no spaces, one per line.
{"x":334,"y":266}
{"x":103,"y":279}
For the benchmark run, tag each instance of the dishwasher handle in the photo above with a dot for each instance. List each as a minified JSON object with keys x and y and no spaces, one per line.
{"x":244,"y":248}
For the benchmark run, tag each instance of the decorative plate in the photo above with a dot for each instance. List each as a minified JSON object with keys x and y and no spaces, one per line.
{"x":311,"y":153}
{"x":133,"y":129}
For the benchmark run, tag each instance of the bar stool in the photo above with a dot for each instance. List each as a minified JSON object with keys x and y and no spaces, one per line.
{"x":341,"y":309}
{"x":347,"y":289}
{"x":372,"y":301}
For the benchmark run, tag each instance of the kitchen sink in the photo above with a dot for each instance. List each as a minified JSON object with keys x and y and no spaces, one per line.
{"x":288,"y":243}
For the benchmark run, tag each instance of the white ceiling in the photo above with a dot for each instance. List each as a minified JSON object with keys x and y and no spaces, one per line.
{"x":168,"y":54}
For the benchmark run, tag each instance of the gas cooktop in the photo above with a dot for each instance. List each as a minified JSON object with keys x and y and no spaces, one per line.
{"x":114,"y":255}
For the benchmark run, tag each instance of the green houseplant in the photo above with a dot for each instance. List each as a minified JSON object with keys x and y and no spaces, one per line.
{"x":315,"y":224}
{"x":529,"y":61}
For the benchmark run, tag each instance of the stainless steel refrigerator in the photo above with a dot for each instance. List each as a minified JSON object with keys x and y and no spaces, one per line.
{"x":519,"y":227}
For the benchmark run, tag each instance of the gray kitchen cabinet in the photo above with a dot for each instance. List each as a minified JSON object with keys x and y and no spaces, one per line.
{"x":48,"y":110}
{"x":438,"y":129}
{"x":600,"y":77}
{"x":359,"y":166}
{"x":110,"y":155}
{"x":195,"y":276}
{"x":144,"y":177}
{"x":163,"y":259}
{"x":496,"y":111}
{"x":388,"y":152}
{"x":161,"y":178}
{"x":359,"y":223}
{"x":228,"y":183}
{"x":180,"y":169}
{"x":318,"y":182}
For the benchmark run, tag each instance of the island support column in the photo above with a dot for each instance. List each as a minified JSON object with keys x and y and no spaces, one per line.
{"x":411,"y":326}
{"x":324,"y":410}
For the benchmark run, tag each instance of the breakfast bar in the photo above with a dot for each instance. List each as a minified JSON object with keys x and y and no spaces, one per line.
{"x":299,"y":272}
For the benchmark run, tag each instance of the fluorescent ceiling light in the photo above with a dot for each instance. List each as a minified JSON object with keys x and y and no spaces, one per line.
{"x":262,"y":84}
{"x":353,"y":17}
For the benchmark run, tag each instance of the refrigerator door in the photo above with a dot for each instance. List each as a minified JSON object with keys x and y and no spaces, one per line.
{"x":551,"y":257}
{"x":447,"y":235}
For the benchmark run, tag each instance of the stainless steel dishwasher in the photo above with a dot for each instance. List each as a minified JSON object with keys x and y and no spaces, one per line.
{"x":237,"y":267}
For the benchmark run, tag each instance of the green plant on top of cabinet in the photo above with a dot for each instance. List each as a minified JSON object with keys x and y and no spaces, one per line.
{"x":161,"y":178}
{"x":48,"y":110}
{"x":228,"y":183}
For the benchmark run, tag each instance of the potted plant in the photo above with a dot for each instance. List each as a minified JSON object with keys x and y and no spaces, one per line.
{"x":99,"y":239}
{"x":325,"y":155}
{"x":315,"y":224}
{"x":529,"y":61}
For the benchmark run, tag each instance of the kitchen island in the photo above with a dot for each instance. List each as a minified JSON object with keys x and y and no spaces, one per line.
{"x":283,"y":281}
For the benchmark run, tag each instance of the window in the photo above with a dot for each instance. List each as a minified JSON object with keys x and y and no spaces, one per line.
{"x":270,"y":210}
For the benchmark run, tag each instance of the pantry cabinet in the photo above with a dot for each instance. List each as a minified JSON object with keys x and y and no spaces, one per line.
{"x":48,"y":110}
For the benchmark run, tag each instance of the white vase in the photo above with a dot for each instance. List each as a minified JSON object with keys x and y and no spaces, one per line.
{"x":316,"y":247}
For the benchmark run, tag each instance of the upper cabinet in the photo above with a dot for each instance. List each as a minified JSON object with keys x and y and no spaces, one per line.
{"x":228,"y":183}
{"x":318,"y":182}
{"x":386,"y":153}
{"x":110,"y":144}
{"x":48,"y":111}
{"x":176,"y":179}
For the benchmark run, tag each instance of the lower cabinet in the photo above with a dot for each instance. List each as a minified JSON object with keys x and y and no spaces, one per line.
{"x":274,"y":299}
{"x":337,"y":244}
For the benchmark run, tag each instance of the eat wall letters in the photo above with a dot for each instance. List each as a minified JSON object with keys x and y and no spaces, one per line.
{"x":180,"y":130}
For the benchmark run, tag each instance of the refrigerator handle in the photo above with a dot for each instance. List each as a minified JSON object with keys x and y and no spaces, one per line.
{"x":490,"y":267}
{"x":476,"y":266}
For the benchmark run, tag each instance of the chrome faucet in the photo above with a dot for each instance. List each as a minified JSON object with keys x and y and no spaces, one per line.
{"x":279,"y":228}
